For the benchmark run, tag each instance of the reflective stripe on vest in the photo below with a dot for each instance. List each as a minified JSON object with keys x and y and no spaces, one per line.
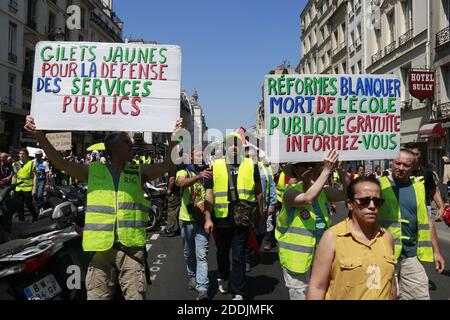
{"x":390,"y":218}
{"x":128,"y":211}
{"x":296,"y":236}
{"x":245,"y":185}
{"x":25,"y":175}
{"x":281,"y":185}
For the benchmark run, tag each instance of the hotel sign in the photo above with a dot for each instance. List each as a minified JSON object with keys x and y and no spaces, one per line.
{"x":421,"y":83}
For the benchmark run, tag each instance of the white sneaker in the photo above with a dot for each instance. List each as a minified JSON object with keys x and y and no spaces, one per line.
{"x":223,"y":288}
{"x":237,"y":297}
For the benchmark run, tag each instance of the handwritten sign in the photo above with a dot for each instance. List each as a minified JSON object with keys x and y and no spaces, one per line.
{"x":106,"y":86}
{"x":61,"y":141}
{"x":307,"y":115}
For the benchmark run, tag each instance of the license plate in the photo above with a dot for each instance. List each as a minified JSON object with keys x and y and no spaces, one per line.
{"x":44,"y":289}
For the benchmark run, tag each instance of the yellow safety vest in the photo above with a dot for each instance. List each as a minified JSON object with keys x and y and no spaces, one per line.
{"x":25,"y":176}
{"x":390,"y":218}
{"x":296,"y":236}
{"x":128,"y":211}
{"x":245,"y":185}
{"x":281,"y":185}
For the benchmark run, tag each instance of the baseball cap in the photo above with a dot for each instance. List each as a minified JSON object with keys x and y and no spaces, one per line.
{"x":39,"y":151}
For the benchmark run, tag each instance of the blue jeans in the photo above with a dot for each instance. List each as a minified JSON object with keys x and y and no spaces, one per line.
{"x":196,"y":244}
{"x":40,"y":188}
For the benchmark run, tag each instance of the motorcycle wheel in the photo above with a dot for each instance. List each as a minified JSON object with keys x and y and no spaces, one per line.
{"x":152,"y":221}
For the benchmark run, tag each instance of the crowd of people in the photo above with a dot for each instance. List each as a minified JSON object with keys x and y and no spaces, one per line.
{"x":244,"y":205}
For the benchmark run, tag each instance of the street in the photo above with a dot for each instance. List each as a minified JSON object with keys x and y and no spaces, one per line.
{"x":264,"y":281}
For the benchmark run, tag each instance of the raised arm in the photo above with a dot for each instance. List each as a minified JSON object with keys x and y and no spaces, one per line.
{"x":335,"y":194}
{"x":293,"y":198}
{"x":76,"y":170}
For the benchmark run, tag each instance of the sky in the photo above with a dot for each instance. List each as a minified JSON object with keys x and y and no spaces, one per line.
{"x":227,"y":47}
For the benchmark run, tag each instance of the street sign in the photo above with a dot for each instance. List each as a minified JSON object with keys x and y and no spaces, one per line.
{"x":421,"y":83}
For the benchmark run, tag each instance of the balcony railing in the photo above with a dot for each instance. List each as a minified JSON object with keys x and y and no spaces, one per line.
{"x":443,"y":37}
{"x":13,"y":6}
{"x":389,"y":48}
{"x":12,"y":57}
{"x":357,"y":43}
{"x":339,"y":48}
{"x":377,"y":56}
{"x":443,"y":110}
{"x":351,"y":15}
{"x":405,"y":37}
{"x":104,"y":26}
{"x":357,"y":6}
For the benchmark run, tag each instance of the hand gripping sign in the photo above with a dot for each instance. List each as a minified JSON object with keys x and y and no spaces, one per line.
{"x":307,"y":115}
{"x":106,"y":86}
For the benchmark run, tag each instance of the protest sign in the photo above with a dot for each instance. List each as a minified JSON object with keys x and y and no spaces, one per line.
{"x":307,"y":115}
{"x":61,"y":141}
{"x":106,"y":86}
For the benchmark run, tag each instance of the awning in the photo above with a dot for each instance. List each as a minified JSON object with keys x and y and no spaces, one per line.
{"x":431,"y":130}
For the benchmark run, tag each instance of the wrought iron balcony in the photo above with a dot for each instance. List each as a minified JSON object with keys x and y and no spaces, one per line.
{"x":377,"y":56}
{"x":357,"y":43}
{"x":389,"y":48}
{"x":405,"y":37}
{"x":443,"y":110}
{"x":357,"y":6}
{"x":105,"y":27}
{"x":13,"y":6}
{"x":12,"y":57}
{"x":443,"y":37}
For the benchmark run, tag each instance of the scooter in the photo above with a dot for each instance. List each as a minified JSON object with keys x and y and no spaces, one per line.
{"x":42,"y":267}
{"x":156,"y":195}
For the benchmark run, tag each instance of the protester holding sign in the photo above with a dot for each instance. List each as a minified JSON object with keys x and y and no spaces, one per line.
{"x":304,"y":217}
{"x":116,"y":214}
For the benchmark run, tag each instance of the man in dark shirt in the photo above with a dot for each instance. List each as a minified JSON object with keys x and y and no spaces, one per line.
{"x":173,"y":204}
{"x":228,"y":234}
{"x":431,"y":190}
{"x":6,"y":170}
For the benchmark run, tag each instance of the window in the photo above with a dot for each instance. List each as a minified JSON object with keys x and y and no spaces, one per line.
{"x":391,"y":26}
{"x":51,"y":22}
{"x":12,"y":89}
{"x":31,"y":14}
{"x":344,"y":67}
{"x":12,"y":43}
{"x":352,"y":70}
{"x":360,"y":70}
{"x":83,"y":17}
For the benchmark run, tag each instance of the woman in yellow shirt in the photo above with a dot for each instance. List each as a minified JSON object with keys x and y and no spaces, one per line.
{"x":355,"y":258}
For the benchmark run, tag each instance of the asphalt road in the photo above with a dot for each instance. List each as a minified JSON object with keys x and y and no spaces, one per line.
{"x":264,"y":281}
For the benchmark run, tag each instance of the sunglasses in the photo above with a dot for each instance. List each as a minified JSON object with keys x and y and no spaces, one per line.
{"x":365,"y":201}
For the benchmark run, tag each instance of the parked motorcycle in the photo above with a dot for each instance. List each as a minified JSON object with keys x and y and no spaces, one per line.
{"x":41,"y":267}
{"x":157,"y":197}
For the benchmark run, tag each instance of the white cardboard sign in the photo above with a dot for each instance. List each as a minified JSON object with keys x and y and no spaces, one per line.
{"x":307,"y":115}
{"x":106,"y":86}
